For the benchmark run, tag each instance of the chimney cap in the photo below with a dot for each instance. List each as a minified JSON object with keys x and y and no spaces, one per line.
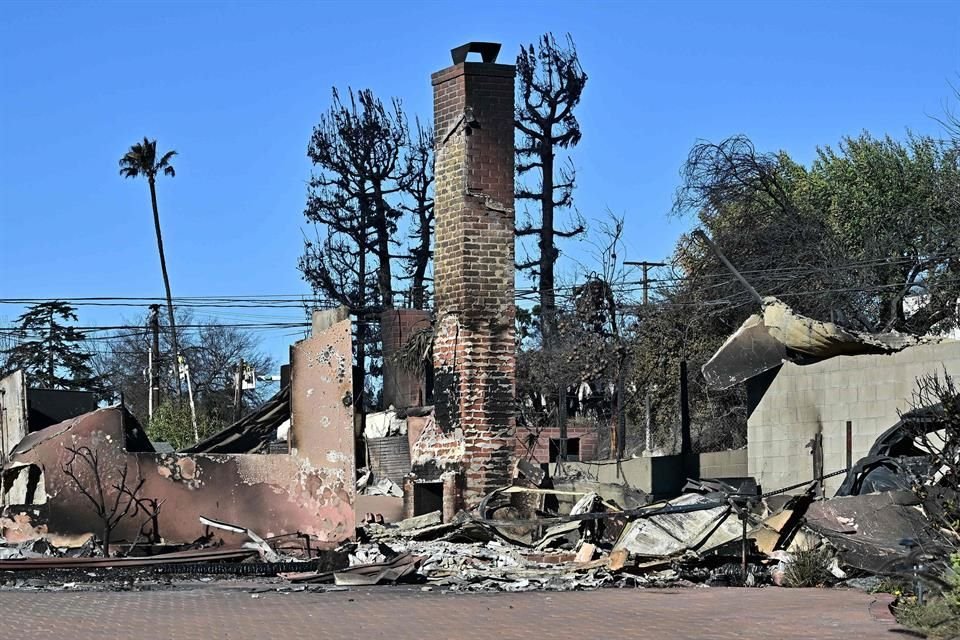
{"x":488,"y":51}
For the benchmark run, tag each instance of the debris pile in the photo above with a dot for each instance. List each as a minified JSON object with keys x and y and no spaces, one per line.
{"x":538,"y":533}
{"x":523,"y":538}
{"x":716,"y":533}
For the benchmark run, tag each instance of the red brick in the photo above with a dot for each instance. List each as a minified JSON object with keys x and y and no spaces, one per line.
{"x":407,"y":613}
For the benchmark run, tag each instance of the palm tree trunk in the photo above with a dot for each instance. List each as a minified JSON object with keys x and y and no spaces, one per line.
{"x":166,"y":284}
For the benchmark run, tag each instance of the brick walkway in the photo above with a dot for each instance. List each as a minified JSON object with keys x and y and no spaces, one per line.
{"x":399,"y":613}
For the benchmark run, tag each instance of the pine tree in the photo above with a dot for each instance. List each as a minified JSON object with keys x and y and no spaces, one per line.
{"x":49,"y":351}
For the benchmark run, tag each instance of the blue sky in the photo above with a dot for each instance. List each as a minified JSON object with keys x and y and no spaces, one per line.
{"x":236,"y":87}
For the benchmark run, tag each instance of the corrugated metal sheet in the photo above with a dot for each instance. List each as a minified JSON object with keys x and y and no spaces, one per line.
{"x":389,"y":457}
{"x":672,"y":533}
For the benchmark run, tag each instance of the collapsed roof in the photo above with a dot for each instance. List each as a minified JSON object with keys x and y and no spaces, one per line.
{"x":251,"y":434}
{"x":777,"y":335}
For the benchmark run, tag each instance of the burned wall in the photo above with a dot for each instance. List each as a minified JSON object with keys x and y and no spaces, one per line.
{"x":13,"y":412}
{"x":542,"y":444}
{"x":272,"y":494}
{"x":434,"y":450}
{"x":474,"y":360}
{"x":311,"y":490}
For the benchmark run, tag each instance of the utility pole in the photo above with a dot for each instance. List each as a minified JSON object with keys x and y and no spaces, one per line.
{"x":646,"y":266}
{"x":154,"y":399}
{"x":238,"y":393}
{"x":621,"y":426}
{"x":686,"y":444}
{"x":648,"y":427}
{"x":562,"y":420}
{"x":185,"y":369}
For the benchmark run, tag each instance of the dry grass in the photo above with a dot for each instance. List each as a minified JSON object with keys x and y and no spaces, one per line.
{"x":809,"y":568}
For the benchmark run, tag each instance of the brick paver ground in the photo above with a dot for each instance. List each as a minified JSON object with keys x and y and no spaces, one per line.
{"x":400,"y":613}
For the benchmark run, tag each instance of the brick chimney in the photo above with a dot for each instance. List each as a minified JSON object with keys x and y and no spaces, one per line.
{"x":474,"y":359}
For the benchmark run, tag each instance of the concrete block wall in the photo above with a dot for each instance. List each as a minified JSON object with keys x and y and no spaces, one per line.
{"x":474,"y":359}
{"x":868,"y":391}
{"x":660,"y":476}
{"x":724,"y":464}
{"x":636,"y":472}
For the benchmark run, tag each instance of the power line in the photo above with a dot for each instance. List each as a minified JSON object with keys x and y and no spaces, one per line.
{"x":96,"y":329}
{"x":304,"y":302}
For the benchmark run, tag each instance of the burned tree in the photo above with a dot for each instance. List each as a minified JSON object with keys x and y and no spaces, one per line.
{"x":551,"y":82}
{"x":746,"y":201}
{"x":357,"y":150}
{"x":112,"y":501}
{"x":934,"y":424}
{"x":590,"y":348}
{"x":419,"y":204}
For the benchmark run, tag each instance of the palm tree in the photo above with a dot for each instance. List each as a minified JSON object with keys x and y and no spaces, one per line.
{"x":141,"y":161}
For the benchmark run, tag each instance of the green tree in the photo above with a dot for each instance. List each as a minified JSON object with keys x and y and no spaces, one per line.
{"x":51,"y":352}
{"x":141,"y":161}
{"x":864,"y":236}
{"x":893,"y":208}
{"x":173,"y":423}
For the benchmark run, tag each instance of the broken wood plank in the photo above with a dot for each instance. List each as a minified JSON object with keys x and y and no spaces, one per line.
{"x":617,"y":559}
{"x":585,"y":554}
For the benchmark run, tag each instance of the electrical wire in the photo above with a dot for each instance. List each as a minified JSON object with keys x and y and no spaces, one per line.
{"x":234,"y":307}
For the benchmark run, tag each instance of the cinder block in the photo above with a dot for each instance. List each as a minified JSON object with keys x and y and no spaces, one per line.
{"x":867,"y":393}
{"x":786,"y":415}
{"x":837,"y":380}
{"x":831,"y":395}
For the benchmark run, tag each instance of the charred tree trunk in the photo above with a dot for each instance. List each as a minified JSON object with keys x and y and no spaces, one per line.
{"x":548,"y":251}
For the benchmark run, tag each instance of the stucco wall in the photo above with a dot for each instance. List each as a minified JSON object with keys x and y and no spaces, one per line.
{"x":311,"y":490}
{"x":866,"y":390}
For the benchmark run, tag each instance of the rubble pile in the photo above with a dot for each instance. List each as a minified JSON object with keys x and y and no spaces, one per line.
{"x":466,"y":557}
{"x":537,"y":533}
{"x":714,"y":534}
